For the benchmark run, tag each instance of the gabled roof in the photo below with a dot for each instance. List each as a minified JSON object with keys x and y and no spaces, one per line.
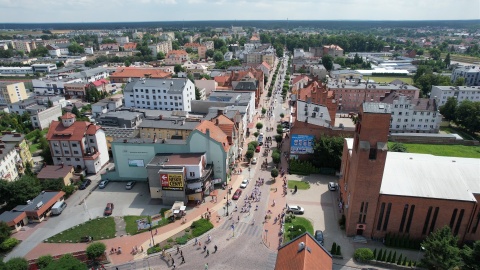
{"x":130,"y":46}
{"x":75,"y":132}
{"x":299,"y":78}
{"x":134,"y":72}
{"x":224,"y":123}
{"x":215,"y":133}
{"x":265,"y":64}
{"x":54,"y":172}
{"x":100,"y":82}
{"x":68,"y":116}
{"x":312,"y":256}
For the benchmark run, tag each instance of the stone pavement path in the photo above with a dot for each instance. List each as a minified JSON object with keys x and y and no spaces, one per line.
{"x":120,"y":226}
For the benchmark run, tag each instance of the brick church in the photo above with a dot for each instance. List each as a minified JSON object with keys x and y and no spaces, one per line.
{"x":403,"y":193}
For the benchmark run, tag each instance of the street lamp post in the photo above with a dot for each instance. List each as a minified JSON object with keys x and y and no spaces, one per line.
{"x":226,"y":197}
{"x":150,"y":228}
{"x":418,"y":255}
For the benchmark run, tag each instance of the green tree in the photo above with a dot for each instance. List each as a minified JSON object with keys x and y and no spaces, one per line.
{"x":189,"y":50}
{"x":449,"y":109}
{"x":210,"y":53}
{"x":160,"y":56}
{"x":76,"y":111}
{"x":16,"y":264}
{"x":274,"y":173}
{"x":467,"y":115}
{"x":460,"y":81}
{"x":264,"y":111}
{"x":44,"y":261}
{"x":19,"y":191}
{"x":259,"y":126}
{"x":276,"y":157}
{"x":198,"y":95}
{"x":95,"y":250}
{"x":249,"y":154}
{"x":447,"y":60}
{"x":278,"y":139}
{"x":178,"y":68}
{"x":435,"y":53}
{"x":398,"y":147}
{"x":218,"y":56}
{"x":471,"y":256}
{"x":52,"y":184}
{"x":327,"y":62}
{"x":75,"y":48}
{"x":4,"y":231}
{"x":441,"y":250}
{"x":127,"y":63}
{"x":66,"y":262}
{"x":328,"y":152}
{"x":279,"y":51}
{"x":282,"y":115}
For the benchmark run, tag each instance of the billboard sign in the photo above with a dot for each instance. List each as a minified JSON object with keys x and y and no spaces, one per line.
{"x":171,"y":181}
{"x":301,"y":144}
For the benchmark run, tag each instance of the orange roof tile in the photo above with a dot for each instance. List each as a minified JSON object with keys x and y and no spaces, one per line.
{"x":224,"y":123}
{"x":298,"y":78}
{"x":312,"y":256}
{"x":75,"y":132}
{"x":266,"y":65}
{"x":190,"y":45}
{"x":215,"y":133}
{"x":68,"y":116}
{"x":130,"y":46}
{"x":134,"y":72}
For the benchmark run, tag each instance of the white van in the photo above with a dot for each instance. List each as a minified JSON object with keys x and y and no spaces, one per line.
{"x":58,"y":207}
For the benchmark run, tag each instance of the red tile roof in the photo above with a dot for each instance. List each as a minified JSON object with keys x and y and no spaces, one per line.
{"x":298,"y":78}
{"x":54,"y":172}
{"x":130,"y":46}
{"x":190,"y":45}
{"x":75,"y":132}
{"x":68,"y":116}
{"x":266,"y":65}
{"x":100,"y":82}
{"x":215,"y":133}
{"x":312,"y":256}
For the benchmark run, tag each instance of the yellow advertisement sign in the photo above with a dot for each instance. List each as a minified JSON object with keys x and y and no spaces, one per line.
{"x":175,"y":180}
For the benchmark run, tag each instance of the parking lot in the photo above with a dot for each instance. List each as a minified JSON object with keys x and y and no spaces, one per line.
{"x":135,"y":202}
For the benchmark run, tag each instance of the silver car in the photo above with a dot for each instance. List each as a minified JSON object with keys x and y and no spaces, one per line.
{"x":130,"y":185}
{"x":295,"y":209}
{"x":103,"y":184}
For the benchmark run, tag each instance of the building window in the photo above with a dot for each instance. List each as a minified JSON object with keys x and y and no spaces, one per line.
{"x":459,"y":222}
{"x":77,"y":159}
{"x":68,"y":159}
{"x":74,"y":145}
{"x":454,"y":216}
{"x":475,"y":227}
{"x":427,"y":220}
{"x":404,"y":216}
{"x":57,"y":152}
{"x":380,"y":217}
{"x":75,"y":152}
{"x":434,"y":220}
{"x":192,"y":174}
{"x":91,"y":140}
{"x":373,"y":154}
{"x":410,"y":217}
{"x":387,"y":216}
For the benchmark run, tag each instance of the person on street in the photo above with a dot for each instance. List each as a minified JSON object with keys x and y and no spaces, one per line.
{"x":206,"y":266}
{"x":215,"y":249}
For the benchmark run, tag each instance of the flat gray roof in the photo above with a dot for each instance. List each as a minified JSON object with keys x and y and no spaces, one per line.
{"x":377,"y":107}
{"x":6,"y":150}
{"x":44,"y":198}
{"x":428,"y":176}
{"x":119,"y":132}
{"x":169,"y":124}
{"x":173,"y":85}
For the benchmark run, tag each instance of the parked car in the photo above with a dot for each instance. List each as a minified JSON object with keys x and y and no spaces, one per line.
{"x":130,"y":185}
{"x":85,"y":184}
{"x":257,"y":149}
{"x":295,"y":209}
{"x":332,"y":186}
{"x":254,"y":160}
{"x":237,"y":194}
{"x":108,"y":209}
{"x":244,"y":183}
{"x":319,"y":236}
{"x":103,"y":184}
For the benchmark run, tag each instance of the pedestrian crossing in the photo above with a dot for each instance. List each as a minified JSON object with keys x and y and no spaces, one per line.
{"x":272,"y":259}
{"x":242,"y":228}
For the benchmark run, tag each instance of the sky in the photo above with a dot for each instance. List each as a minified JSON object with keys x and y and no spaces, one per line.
{"x":57,"y":11}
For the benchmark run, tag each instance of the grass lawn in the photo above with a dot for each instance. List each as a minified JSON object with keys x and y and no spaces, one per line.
{"x":443,"y":150}
{"x":389,"y":79}
{"x":298,"y":223}
{"x":97,"y":228}
{"x":34,"y":147}
{"x":299,"y":184}
{"x":131,"y":224}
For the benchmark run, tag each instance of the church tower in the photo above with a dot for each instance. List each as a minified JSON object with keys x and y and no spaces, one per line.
{"x":362,"y":168}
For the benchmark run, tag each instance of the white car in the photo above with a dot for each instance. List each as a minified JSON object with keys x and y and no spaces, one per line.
{"x":244,"y":183}
{"x":332,"y":186}
{"x":295,"y":209}
{"x":254,"y":160}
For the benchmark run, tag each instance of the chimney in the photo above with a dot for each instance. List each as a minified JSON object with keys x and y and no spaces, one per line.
{"x":17,"y":135}
{"x":207,"y":132}
{"x":219,"y":112}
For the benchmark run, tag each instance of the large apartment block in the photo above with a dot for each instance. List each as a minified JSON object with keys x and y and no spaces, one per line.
{"x":160,"y":94}
{"x":461,"y":93}
{"x":471,"y":74}
{"x":9,"y":162}
{"x":12,"y":92}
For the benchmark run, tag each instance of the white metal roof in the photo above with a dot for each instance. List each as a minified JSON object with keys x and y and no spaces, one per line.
{"x":428,"y":176}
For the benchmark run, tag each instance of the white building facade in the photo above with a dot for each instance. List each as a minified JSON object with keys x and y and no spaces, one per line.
{"x":461,"y":93}
{"x":9,"y":159}
{"x":471,"y":74}
{"x":160,"y":94}
{"x":415,"y":115}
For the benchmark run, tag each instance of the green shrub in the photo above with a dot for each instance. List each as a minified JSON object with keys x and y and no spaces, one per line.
{"x":394,"y":258}
{"x":167,"y":246}
{"x":404,"y":260}
{"x":68,"y":190}
{"x":43,"y":261}
{"x":154,"y":249}
{"x":200,"y":227}
{"x":384,"y":256}
{"x":375,"y":253}
{"x":389,"y":257}
{"x":339,"y":251}
{"x":363,"y":254}
{"x":333,"y":251}
{"x":9,"y":244}
{"x":297,"y":230}
{"x":182,"y":240}
{"x":399,"y":259}
{"x":380,"y":254}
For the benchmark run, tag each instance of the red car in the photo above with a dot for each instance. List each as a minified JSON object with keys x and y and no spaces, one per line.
{"x":237,"y":194}
{"x":108,"y":210}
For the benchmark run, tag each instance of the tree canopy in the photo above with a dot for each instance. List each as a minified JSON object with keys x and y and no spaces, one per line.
{"x":441,"y":250}
{"x":327,"y":152}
